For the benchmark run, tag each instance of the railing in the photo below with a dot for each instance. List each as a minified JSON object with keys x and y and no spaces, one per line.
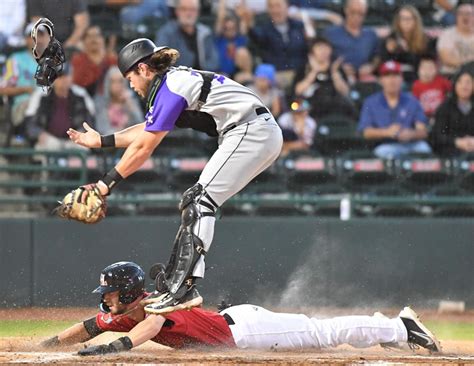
{"x":30,"y":176}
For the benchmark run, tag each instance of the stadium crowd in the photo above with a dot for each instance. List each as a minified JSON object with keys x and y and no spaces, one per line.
{"x":400,"y":72}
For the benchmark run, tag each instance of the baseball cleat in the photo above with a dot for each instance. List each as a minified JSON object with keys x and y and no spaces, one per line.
{"x":166,"y":303}
{"x":390,"y":345}
{"x":418,"y":334}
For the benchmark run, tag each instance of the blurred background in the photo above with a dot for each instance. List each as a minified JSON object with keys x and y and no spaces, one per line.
{"x":371,"y":201}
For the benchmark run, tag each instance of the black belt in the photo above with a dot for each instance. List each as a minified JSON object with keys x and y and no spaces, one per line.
{"x":228,"y":319}
{"x":258,"y":112}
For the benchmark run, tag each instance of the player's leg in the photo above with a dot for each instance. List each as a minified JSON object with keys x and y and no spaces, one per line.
{"x":242,"y":154}
{"x":256,"y":327}
{"x":245,"y":153}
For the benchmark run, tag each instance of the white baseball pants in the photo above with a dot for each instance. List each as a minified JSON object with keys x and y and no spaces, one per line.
{"x":256,"y":327}
{"x":243,"y":153}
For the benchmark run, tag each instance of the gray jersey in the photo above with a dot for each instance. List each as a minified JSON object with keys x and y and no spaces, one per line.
{"x":228,"y":102}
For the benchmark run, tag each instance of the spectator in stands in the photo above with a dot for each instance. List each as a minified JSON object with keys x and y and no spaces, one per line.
{"x":407,"y":42}
{"x":356,"y":44}
{"x":255,"y":6}
{"x":48,"y":117}
{"x":132,"y":15}
{"x":323,"y":82}
{"x":430,"y":88}
{"x":298,"y":127}
{"x":456,"y":44}
{"x":18,"y":79}
{"x":230,"y":37}
{"x":117,"y":108}
{"x":193,"y":40}
{"x":453,"y":130}
{"x":12,"y":23}
{"x":244,"y":66}
{"x":393,"y":118}
{"x":90,"y":65}
{"x":280,"y":40}
{"x":445,"y":11}
{"x":314,"y":10}
{"x":265,"y":87}
{"x":70,"y":18}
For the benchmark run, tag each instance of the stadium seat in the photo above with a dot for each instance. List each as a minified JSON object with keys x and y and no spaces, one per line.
{"x":271,"y":180}
{"x":185,"y":171}
{"x":361,"y":90}
{"x":419,"y":173}
{"x":183,"y":142}
{"x":464,"y":166}
{"x":307,"y":172}
{"x":336,"y":134}
{"x":360,"y":170}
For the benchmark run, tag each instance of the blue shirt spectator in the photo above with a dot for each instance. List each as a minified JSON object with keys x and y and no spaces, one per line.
{"x":226,"y":48}
{"x":230,"y":36}
{"x":377,"y":113}
{"x":356,"y":50}
{"x":357,"y":45}
{"x":394,"y":119}
{"x":283,"y":46}
{"x":280,"y":39}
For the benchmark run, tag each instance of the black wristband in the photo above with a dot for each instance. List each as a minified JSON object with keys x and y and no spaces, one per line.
{"x":122,"y":344}
{"x":107,"y":140}
{"x":111,"y":179}
{"x":91,"y":327}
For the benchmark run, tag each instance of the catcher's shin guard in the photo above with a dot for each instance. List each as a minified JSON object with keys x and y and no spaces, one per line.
{"x":188,"y":247}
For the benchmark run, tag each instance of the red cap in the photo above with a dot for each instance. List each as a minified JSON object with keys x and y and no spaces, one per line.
{"x":390,"y":67}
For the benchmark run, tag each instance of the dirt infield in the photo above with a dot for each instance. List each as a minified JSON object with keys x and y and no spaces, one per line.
{"x":25,"y":350}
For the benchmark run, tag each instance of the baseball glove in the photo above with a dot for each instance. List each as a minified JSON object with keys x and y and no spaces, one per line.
{"x":84,"y":204}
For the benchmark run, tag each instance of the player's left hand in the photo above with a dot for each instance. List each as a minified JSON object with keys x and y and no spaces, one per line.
{"x":85,"y":204}
{"x":101,"y":349}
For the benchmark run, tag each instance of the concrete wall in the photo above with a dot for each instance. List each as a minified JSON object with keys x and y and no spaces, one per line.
{"x":271,"y":261}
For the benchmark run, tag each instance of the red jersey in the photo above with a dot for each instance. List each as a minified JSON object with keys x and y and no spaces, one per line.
{"x":182,"y":328}
{"x":431,"y":94}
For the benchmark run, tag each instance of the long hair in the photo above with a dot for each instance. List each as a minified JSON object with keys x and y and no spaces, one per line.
{"x":161,"y":60}
{"x":417,"y":40}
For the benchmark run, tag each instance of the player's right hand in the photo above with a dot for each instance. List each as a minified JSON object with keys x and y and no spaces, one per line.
{"x":101,"y":349}
{"x":90,"y":138}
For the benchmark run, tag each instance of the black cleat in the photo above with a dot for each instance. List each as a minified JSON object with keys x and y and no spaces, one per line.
{"x":166,"y":303}
{"x":418,"y":334}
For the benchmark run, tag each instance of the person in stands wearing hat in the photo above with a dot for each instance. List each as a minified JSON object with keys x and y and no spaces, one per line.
{"x":264,"y":85}
{"x":394,"y":119}
{"x":298,"y":127}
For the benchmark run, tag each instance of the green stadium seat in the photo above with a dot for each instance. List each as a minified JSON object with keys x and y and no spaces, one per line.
{"x":419,"y":173}
{"x":336,"y":134}
{"x":361,"y":169}
{"x":307,"y":172}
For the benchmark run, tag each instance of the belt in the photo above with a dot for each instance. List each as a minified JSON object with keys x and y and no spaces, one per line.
{"x":258,"y":112}
{"x":228,"y":319}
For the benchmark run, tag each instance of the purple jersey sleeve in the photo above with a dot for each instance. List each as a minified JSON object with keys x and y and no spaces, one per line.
{"x":165,"y":111}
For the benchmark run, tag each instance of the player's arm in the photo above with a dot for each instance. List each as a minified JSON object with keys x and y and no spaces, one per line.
{"x":139,"y":151}
{"x":142,"y":332}
{"x":92,"y":139}
{"x":79,"y":332}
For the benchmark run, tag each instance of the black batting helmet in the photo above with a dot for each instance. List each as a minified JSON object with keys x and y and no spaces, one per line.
{"x":134,"y":52}
{"x":126,"y":277}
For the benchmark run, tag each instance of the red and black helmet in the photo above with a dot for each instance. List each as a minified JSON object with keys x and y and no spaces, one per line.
{"x":127,"y":278}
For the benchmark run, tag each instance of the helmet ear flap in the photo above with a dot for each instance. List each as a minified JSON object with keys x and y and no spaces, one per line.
{"x":103,"y":306}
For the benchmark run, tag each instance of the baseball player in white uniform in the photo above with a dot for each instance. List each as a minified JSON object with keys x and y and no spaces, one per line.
{"x":249,"y":142}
